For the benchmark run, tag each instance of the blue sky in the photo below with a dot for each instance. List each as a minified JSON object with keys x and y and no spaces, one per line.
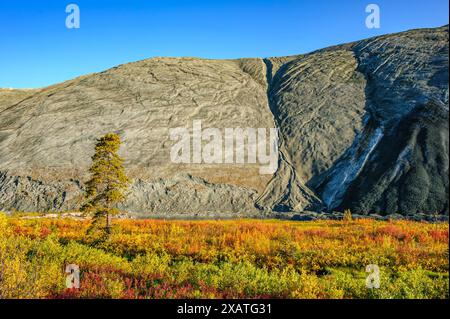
{"x":38,"y":50}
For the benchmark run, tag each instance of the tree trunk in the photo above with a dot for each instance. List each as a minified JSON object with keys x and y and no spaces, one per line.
{"x":108,"y":222}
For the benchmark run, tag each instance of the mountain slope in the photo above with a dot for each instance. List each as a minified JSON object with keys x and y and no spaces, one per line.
{"x":362,"y":126}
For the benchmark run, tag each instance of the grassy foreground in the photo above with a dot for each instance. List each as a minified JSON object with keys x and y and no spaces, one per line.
{"x":224,"y":259}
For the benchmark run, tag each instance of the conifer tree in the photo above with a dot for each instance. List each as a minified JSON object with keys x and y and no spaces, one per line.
{"x":108,"y":182}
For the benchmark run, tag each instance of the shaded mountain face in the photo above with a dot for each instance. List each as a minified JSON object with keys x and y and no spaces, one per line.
{"x":362,"y":126}
{"x":407,"y":169}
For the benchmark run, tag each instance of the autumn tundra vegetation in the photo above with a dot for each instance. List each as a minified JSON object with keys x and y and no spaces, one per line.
{"x":224,"y":259}
{"x":126,"y":258}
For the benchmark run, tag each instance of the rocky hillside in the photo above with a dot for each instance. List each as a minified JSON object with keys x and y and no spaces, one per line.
{"x":362,"y":126}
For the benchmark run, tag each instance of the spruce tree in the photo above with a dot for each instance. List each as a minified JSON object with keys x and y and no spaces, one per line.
{"x":108,"y":182}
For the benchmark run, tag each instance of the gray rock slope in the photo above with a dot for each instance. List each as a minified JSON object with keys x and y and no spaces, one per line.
{"x":365,"y":125}
{"x":362,"y":126}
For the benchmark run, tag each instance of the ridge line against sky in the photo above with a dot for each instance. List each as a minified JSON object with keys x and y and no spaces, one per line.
{"x":38,"y":50}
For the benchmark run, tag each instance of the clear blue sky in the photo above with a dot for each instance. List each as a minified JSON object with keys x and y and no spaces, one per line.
{"x":36,"y":49}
